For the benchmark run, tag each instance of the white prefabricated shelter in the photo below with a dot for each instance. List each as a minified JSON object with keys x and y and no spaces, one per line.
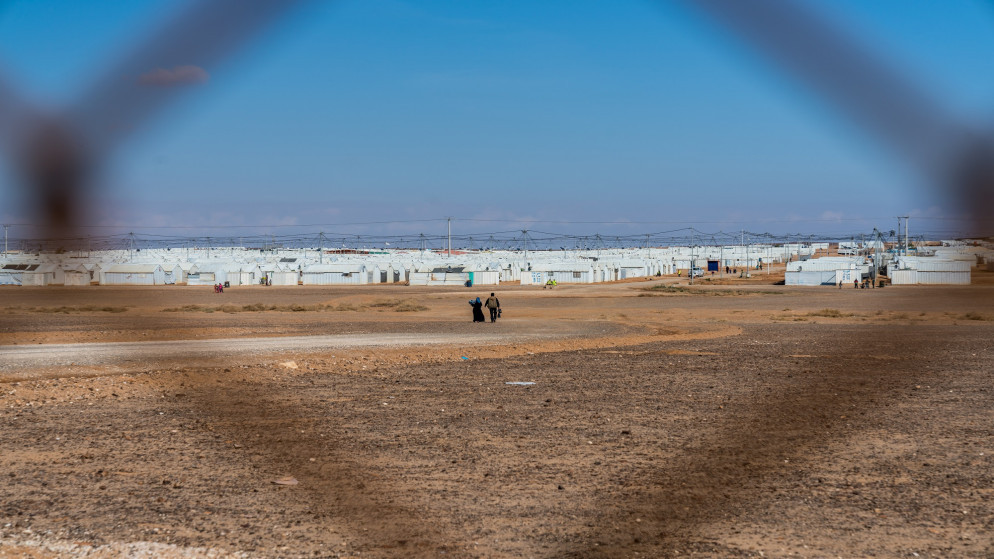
{"x":929,"y":271}
{"x":384,"y":272}
{"x":249,"y":274}
{"x":485,"y":277}
{"x":221,"y":272}
{"x":200,"y":278}
{"x":633,"y":269}
{"x":349,"y":273}
{"x":180,"y":272}
{"x":133,"y":274}
{"x":283,"y":276}
{"x":43,"y":274}
{"x":13,"y":274}
{"x":826,"y":271}
{"x":561,"y":272}
{"x":76,"y":275}
{"x":509,"y":271}
{"x":450,"y":275}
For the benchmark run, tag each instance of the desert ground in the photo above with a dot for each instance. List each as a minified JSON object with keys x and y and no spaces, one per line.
{"x":664,"y":420}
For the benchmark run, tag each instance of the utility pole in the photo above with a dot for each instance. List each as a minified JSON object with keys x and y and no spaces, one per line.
{"x":748,"y":262}
{"x":742,"y":243}
{"x":692,"y":256}
{"x":131,"y":247}
{"x":321,"y":247}
{"x":5,"y":240}
{"x":449,"y":221}
{"x":898,"y":247}
{"x":907,"y":225}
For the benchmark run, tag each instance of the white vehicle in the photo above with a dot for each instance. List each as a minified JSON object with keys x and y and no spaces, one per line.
{"x":696,"y":272}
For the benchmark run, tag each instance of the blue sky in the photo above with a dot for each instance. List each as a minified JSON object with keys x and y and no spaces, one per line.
{"x":560,"y":111}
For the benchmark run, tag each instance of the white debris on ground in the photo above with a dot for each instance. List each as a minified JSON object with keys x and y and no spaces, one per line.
{"x":38,"y":545}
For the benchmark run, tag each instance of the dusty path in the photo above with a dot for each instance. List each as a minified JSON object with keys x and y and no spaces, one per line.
{"x":95,"y":354}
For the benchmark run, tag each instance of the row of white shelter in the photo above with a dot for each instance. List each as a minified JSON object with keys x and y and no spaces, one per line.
{"x":312,"y":267}
{"x":902,"y":270}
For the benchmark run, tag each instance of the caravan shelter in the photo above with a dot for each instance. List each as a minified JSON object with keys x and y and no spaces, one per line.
{"x":133,"y":274}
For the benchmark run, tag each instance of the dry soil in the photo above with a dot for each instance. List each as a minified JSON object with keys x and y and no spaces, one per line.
{"x":664,"y":420}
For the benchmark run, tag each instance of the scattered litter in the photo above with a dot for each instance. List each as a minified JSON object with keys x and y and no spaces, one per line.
{"x":464,"y":357}
{"x":519,"y":383}
{"x":289,"y":364}
{"x":288,"y":480}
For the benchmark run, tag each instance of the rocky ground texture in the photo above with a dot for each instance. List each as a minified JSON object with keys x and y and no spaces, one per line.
{"x":722,"y":421}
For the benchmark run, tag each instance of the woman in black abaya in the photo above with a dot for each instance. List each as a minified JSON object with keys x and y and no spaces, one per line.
{"x":477,"y":310}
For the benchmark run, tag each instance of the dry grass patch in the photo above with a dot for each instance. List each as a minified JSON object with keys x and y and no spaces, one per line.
{"x":830,"y":313}
{"x":976,"y":316}
{"x":663,"y":290}
{"x":410,"y":305}
{"x":255,"y":307}
{"x":399,"y":305}
{"x":68,"y":309}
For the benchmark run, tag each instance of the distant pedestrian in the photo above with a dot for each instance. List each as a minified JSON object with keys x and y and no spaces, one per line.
{"x":477,"y":310}
{"x":855,"y":284}
{"x":493,"y":303}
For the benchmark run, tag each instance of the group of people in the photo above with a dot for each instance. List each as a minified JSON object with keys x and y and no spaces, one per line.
{"x":218,"y":288}
{"x":492,"y":303}
{"x":866,"y":284}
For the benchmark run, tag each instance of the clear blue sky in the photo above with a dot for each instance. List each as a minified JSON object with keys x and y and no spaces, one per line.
{"x":559,"y":110}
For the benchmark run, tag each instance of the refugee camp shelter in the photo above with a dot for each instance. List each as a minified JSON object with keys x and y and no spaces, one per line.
{"x":826,"y":271}
{"x":283,"y":274}
{"x":564,"y":271}
{"x":347,"y":273}
{"x":911,"y":270}
{"x":76,"y":275}
{"x":31,"y":274}
{"x":133,"y":274}
{"x":447,"y":275}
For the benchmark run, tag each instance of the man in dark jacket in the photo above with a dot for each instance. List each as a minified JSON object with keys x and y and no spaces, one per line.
{"x":493,"y":303}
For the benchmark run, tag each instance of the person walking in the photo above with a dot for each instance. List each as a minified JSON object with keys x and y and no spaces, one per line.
{"x":477,"y":310}
{"x":493,"y":303}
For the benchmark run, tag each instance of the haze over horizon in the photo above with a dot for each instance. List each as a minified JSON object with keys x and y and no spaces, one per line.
{"x":386,"y":116}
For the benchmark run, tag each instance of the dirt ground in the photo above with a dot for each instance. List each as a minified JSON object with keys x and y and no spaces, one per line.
{"x":665,"y":420}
